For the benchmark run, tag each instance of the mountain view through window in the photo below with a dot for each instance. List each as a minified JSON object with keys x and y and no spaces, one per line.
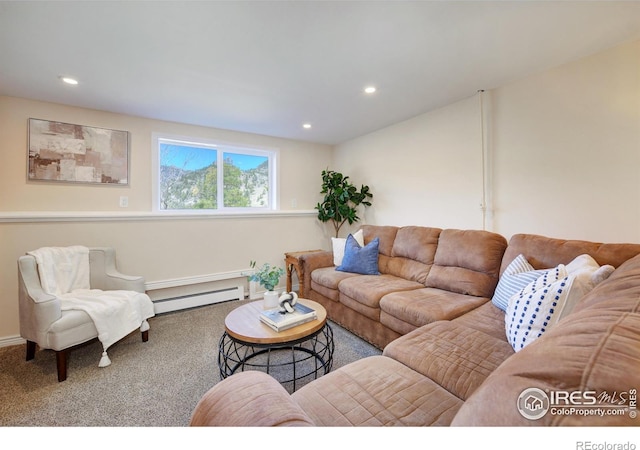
{"x":208,"y":177}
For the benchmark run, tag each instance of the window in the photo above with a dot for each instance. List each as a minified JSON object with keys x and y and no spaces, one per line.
{"x":206,"y":176}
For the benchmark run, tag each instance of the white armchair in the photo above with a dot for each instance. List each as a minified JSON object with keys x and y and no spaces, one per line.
{"x":46,"y":320}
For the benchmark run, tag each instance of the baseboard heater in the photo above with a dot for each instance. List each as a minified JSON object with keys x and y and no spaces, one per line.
{"x":200,"y":290}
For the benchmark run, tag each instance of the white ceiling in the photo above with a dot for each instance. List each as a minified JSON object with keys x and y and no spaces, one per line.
{"x":267,"y":67}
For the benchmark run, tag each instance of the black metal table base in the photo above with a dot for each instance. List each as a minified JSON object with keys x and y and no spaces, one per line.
{"x":290,"y":362}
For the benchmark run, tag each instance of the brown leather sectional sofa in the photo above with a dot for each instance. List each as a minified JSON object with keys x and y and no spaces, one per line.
{"x":446,"y":358}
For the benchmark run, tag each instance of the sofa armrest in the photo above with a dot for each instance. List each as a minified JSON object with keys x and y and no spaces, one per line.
{"x":310,"y":262}
{"x":250,"y":398}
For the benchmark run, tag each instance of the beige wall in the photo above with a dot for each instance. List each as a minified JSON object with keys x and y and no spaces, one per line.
{"x":36,"y":214}
{"x":562,"y":156}
{"x":567,"y":150}
{"x":424,"y":171}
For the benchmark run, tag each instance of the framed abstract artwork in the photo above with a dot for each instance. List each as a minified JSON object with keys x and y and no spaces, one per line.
{"x":71,"y":153}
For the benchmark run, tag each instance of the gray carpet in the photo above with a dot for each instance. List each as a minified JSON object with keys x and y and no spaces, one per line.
{"x":152,"y":384}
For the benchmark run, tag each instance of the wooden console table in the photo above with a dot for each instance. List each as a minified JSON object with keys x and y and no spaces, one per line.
{"x":292,"y":262}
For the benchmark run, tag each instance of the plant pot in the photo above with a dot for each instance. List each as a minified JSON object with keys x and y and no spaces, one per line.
{"x":271,"y":300}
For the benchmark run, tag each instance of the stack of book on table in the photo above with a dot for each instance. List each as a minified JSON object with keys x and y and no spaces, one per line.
{"x":280,"y":321}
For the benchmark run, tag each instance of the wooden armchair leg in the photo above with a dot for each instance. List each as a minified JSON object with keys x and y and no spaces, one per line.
{"x":61,"y":358}
{"x":145,"y":336}
{"x":31,"y":350}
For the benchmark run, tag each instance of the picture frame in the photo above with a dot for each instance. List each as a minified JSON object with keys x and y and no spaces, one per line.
{"x":70,"y":153}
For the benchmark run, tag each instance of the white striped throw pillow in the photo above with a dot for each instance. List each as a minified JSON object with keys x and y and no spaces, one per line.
{"x":518,"y":274}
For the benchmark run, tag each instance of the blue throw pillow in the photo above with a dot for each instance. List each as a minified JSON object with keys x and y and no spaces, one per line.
{"x":362,"y":260}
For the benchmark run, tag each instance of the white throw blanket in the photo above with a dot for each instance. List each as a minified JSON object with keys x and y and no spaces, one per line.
{"x":114,"y":313}
{"x":63,"y":269}
{"x":65,"y":273}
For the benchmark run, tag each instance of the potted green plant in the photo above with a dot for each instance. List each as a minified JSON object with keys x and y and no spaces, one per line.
{"x":341,"y":200}
{"x":268,"y":277}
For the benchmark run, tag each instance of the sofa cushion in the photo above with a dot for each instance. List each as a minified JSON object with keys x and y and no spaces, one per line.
{"x":467,"y":262}
{"x":417,"y":243}
{"x":325,"y":280}
{"x":422,"y":306}
{"x":376,"y":391}
{"x":454,"y":356}
{"x":363,"y":293}
{"x":515,"y":277}
{"x":357,"y":259}
{"x":386,"y":235}
{"x":486,"y":318}
{"x":413,"y":252}
{"x":405,"y":268}
{"x":330,"y":277}
{"x":330,"y":294}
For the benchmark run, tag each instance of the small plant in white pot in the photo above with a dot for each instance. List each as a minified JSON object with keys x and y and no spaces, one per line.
{"x":268,"y":276}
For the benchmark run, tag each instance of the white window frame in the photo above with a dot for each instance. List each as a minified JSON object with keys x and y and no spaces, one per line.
{"x":221,"y":148}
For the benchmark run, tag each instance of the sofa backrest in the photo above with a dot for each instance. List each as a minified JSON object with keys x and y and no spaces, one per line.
{"x":543,"y":252}
{"x":386,"y":234}
{"x":620,"y":292}
{"x":413,"y":253}
{"x":461,"y":261}
{"x":405,"y":252}
{"x":467,"y":262}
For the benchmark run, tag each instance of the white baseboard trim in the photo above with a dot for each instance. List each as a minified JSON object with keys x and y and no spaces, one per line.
{"x":198,"y":279}
{"x":192,"y":301}
{"x":11,"y":340}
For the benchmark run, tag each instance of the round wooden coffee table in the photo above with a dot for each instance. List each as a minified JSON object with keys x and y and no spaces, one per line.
{"x":298,"y":353}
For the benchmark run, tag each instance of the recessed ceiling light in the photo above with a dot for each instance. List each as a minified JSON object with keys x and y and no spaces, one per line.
{"x":370,"y":89}
{"x":306,"y":126}
{"x":69,"y":80}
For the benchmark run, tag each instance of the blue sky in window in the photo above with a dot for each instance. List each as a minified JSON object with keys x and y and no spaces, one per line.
{"x":245,"y":162}
{"x":194,"y":158}
{"x":185,"y":157}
